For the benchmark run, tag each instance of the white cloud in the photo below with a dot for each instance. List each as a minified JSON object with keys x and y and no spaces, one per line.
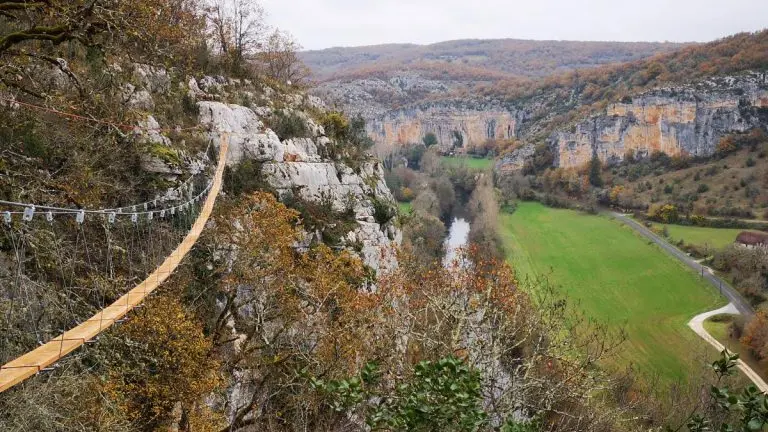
{"x":325,"y":23}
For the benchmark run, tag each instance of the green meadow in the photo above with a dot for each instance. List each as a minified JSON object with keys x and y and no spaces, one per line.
{"x":404,"y":207}
{"x":617,"y":277}
{"x":470,"y":162}
{"x":715,"y":238}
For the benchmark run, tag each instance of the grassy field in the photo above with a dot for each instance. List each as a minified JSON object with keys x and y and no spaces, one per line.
{"x":616,"y":277}
{"x":472,"y":163}
{"x":404,"y":207}
{"x":716,"y":238}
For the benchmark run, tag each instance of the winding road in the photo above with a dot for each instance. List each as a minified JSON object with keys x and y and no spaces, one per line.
{"x":736,"y":306}
{"x":697,"y":325}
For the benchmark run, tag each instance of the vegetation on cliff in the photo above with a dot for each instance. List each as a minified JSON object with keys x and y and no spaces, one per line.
{"x":273,"y":322}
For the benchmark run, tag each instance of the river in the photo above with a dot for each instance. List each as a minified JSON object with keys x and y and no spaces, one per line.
{"x":458,"y":236}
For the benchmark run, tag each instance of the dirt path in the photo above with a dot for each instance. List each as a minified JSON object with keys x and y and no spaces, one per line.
{"x":697,"y":325}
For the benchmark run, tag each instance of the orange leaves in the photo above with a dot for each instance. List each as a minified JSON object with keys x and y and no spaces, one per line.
{"x":160,"y":358}
{"x":756,"y":335}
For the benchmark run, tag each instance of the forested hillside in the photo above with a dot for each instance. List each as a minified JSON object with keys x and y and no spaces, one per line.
{"x":374,"y":80}
{"x":487,"y":58}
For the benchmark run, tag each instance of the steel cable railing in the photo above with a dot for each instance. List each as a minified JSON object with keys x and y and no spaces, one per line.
{"x":35,"y":361}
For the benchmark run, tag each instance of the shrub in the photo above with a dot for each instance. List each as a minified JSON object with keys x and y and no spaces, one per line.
{"x":595,"y":166}
{"x":321,"y":216}
{"x":430,"y":139}
{"x":407,"y":194}
{"x":668,"y":189}
{"x":245,"y":178}
{"x":703,"y":188}
{"x":445,"y":394}
{"x":358,"y":135}
{"x":336,"y":125}
{"x":288,"y":125}
{"x":667,"y":213}
{"x":751,"y":162}
{"x":733,"y":142}
{"x":383,"y":211}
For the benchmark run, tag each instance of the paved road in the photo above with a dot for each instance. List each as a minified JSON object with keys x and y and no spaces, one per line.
{"x":697,"y":325}
{"x":731,"y":294}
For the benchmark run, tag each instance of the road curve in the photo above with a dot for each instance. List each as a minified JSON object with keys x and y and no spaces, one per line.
{"x":697,"y":325}
{"x":736,"y":306}
{"x":727,"y":290}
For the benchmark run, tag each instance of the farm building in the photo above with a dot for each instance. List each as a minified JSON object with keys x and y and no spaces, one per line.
{"x":752,"y":239}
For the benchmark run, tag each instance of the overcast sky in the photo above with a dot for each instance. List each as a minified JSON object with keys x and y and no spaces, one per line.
{"x":328,"y":23}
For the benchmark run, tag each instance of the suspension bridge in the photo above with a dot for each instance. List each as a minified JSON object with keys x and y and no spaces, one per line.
{"x":129,"y":246}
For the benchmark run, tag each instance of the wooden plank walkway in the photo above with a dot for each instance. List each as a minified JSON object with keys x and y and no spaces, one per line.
{"x":35,"y":361}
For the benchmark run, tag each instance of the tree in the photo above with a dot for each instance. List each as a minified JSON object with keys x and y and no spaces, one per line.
{"x":430,"y":162}
{"x":726,"y":409}
{"x":430,"y":139}
{"x":423,"y":237}
{"x":238,"y":29}
{"x":665,"y":213}
{"x":428,"y":202}
{"x":443,"y":189}
{"x":159,"y":359}
{"x":440,"y":395}
{"x":595,"y":171}
{"x":484,"y":213}
{"x":756,"y":335}
{"x":30,"y":31}
{"x":279,"y":59}
{"x":283,"y":312}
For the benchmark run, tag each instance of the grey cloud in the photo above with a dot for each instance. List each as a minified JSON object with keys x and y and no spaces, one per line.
{"x":325,"y":23}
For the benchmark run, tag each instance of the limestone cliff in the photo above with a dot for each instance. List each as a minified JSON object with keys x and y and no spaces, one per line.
{"x":295,"y":166}
{"x":456,"y":124}
{"x":686,"y":120}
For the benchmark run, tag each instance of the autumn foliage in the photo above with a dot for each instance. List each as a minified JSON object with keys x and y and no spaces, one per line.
{"x":160,"y":359}
{"x":755,"y":335}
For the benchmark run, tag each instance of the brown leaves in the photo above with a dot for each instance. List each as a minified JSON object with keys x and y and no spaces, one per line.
{"x":158,"y":359}
{"x":756,"y":335}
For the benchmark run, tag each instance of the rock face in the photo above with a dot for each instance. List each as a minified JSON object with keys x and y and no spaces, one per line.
{"x":295,"y":167}
{"x":456,"y":125}
{"x":374,"y":97}
{"x":679,"y":121}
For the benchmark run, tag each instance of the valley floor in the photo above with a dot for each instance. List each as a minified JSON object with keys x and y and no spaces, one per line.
{"x":714,"y":238}
{"x":619,"y":278}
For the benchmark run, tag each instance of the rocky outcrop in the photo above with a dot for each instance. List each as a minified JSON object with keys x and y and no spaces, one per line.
{"x":295,"y":168}
{"x":679,"y":121}
{"x":516,"y":160}
{"x":374,"y":97}
{"x":457,"y":125}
